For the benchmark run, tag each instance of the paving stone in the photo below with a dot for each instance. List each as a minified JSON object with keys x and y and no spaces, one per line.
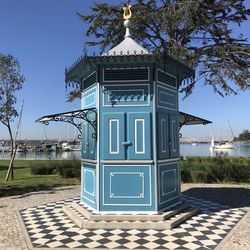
{"x":45,"y":212}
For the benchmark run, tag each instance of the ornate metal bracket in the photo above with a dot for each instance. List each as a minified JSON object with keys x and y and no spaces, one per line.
{"x":75,"y":118}
{"x":187,"y":119}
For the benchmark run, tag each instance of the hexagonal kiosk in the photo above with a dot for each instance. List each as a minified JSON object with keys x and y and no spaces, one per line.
{"x":130,"y":161}
{"x":130,"y":128}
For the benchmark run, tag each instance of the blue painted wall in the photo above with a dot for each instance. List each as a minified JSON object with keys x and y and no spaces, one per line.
{"x":167,"y":116}
{"x":130,"y":172}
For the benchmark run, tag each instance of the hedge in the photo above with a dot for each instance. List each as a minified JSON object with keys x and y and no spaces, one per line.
{"x":215,"y":169}
{"x":64,"y":168}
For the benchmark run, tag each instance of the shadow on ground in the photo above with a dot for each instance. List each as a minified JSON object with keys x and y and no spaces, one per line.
{"x":27,"y":191}
{"x":233,"y":197}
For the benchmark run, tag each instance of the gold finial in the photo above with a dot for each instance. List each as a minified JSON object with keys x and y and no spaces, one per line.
{"x":127,"y":13}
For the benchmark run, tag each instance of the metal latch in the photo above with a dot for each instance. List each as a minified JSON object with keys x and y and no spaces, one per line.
{"x":127,"y":143}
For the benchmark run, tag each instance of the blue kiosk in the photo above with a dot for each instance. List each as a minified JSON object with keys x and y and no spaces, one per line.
{"x":130,"y":128}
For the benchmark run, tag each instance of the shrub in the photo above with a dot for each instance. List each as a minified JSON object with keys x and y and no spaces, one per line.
{"x":42,"y":169}
{"x":186,"y":175}
{"x":70,"y":169}
{"x":215,"y":169}
{"x":65,"y":168}
{"x":200,"y":177}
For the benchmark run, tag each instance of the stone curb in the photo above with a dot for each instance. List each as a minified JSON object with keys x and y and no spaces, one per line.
{"x":23,"y":228}
{"x":223,"y":241}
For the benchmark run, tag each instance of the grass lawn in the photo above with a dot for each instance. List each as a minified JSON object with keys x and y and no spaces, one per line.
{"x":25,"y":182}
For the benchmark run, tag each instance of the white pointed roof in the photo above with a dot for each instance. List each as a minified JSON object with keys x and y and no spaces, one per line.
{"x":128,"y":46}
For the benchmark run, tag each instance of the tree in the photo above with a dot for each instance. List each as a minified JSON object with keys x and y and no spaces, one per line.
{"x":245,"y":135}
{"x":11,"y":80}
{"x":198,"y":33}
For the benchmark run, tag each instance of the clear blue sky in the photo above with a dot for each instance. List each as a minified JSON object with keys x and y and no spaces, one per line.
{"x":47,"y":35}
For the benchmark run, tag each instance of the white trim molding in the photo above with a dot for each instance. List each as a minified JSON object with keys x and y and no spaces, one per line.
{"x":175,"y":94}
{"x":173,"y":139}
{"x":84,"y":182}
{"x":147,"y":104}
{"x":136,"y":135}
{"x":126,"y":204}
{"x":113,"y":174}
{"x":162,"y":181}
{"x":117,"y":136}
{"x":163,"y":136}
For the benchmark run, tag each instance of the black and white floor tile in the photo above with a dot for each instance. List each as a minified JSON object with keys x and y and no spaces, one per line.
{"x":48,"y":227}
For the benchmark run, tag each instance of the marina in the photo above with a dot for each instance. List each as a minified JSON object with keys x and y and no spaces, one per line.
{"x":186,"y":149}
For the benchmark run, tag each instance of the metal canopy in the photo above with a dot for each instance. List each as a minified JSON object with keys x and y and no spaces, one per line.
{"x":187,"y":119}
{"x":75,"y":118}
{"x":90,"y":115}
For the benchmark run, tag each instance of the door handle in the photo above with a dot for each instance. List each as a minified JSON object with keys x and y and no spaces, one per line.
{"x":127,"y":143}
{"x":169,"y":143}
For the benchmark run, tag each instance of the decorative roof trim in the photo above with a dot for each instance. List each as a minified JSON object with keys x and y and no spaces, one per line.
{"x":85,"y":63}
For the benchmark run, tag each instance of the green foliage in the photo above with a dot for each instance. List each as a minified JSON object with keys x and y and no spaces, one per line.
{"x":11,"y":80}
{"x":215,"y":169}
{"x":197,"y":33}
{"x":74,"y":94}
{"x":64,"y":168}
{"x":42,"y":169}
{"x":70,"y":169}
{"x":245,"y":135}
{"x":26,"y":182}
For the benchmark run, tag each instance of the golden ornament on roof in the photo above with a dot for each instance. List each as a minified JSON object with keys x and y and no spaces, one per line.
{"x":127,"y":13}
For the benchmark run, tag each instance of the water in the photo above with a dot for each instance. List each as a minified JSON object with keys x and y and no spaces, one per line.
{"x":242,"y":149}
{"x":185,"y":149}
{"x":44,"y":155}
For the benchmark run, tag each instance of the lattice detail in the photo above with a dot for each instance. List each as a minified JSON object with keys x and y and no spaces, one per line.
{"x":75,"y":118}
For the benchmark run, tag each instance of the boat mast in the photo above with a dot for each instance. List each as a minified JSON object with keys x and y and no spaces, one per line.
{"x":230,"y":129}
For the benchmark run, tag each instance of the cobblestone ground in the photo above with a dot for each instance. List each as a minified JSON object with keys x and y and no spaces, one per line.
{"x":12,"y":238}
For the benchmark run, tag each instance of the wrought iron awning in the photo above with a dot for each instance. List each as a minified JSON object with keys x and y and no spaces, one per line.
{"x":75,"y":118}
{"x":187,"y":119}
{"x":90,"y":115}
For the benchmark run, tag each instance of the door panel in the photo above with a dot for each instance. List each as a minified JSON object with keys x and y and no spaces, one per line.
{"x":85,"y":140}
{"x":174,"y":135}
{"x":88,"y":142}
{"x":92,"y":142}
{"x":127,"y":186}
{"x":163,"y":135}
{"x":113,"y":136}
{"x":169,"y":184}
{"x":89,"y":184}
{"x":139,"y":136}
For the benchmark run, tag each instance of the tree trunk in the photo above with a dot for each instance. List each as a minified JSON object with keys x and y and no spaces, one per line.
{"x":13,"y":154}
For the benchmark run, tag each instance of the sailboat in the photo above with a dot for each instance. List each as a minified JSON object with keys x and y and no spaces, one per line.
{"x":222,"y":144}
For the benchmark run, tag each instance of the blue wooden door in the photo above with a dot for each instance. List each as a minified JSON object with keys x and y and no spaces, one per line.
{"x":127,"y":136}
{"x":113,"y":136}
{"x":167,"y":135}
{"x":139,"y":136}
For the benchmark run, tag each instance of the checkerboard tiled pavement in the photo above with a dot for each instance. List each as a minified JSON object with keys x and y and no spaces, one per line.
{"x":49,"y":227}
